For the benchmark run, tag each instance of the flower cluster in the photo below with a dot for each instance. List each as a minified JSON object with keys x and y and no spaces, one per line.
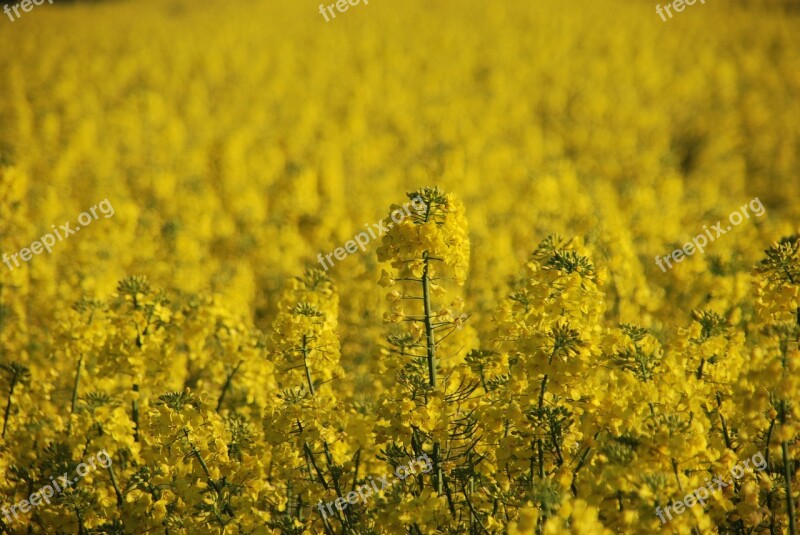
{"x":512,"y":327}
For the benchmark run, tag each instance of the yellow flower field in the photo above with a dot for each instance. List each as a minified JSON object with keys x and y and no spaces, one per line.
{"x":515,"y":330}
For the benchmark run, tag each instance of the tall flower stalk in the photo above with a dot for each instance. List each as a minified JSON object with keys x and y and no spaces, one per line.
{"x":428,"y":252}
{"x":306,"y":353}
{"x":778,"y":309}
{"x":15,"y":374}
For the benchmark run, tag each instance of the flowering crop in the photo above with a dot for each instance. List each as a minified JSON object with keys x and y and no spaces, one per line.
{"x":512,"y":327}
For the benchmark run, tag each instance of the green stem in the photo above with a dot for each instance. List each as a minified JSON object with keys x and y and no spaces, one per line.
{"x":75,"y":388}
{"x":540,"y":446}
{"x":787,"y":469}
{"x":304,"y":350}
{"x":135,"y":412}
{"x":431,"y":354}
{"x":226,"y":386}
{"x":728,"y":443}
{"x":196,"y":453}
{"x":430,"y":341}
{"x":8,"y":404}
{"x":115,"y":484}
{"x":539,"y":415}
{"x":345,"y":519}
{"x":336,"y":485}
{"x":81,"y":529}
{"x":787,"y":475}
{"x":677,"y":477}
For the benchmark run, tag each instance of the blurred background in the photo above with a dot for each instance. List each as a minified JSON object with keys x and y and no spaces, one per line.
{"x":237,"y":140}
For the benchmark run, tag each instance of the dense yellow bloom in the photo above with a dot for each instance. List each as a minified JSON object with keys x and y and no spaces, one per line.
{"x":505,"y":318}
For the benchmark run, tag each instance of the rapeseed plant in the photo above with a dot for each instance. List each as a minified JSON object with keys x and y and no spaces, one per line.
{"x":515,"y":329}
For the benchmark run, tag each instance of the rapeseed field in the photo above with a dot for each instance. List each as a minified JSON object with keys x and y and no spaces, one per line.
{"x":453,"y":267}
